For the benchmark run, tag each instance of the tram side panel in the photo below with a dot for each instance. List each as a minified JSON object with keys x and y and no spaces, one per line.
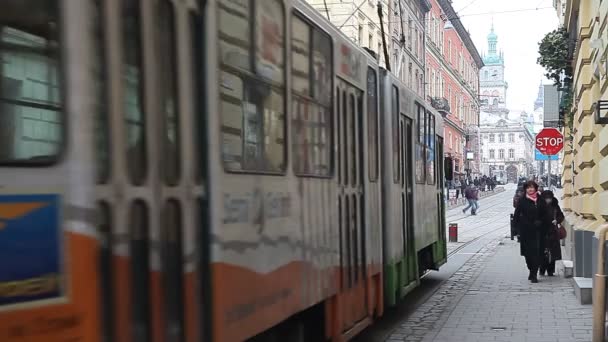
{"x":272,"y":253}
{"x":428,"y":230}
{"x":48,"y":242}
{"x":400,"y":275}
{"x":358,"y":199}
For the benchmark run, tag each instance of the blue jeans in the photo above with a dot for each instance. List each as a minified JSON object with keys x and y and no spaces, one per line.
{"x":472,"y":203}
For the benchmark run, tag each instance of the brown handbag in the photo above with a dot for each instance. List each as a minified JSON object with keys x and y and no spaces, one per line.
{"x":561,"y":232}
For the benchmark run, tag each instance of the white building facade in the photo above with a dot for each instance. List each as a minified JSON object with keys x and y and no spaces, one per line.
{"x":507,"y":146}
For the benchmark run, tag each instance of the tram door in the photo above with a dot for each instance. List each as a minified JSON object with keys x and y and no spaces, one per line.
{"x":150,"y":181}
{"x":407,"y":194}
{"x":351,"y":202}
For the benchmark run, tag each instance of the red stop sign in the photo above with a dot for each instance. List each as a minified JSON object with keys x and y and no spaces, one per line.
{"x":549,"y":141}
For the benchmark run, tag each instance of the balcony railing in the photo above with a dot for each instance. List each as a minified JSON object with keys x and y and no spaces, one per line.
{"x":442,"y":105}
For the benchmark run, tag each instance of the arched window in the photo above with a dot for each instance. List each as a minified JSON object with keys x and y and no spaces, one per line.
{"x":511,"y":153}
{"x":511,"y":137}
{"x":501,"y":138}
{"x":501,"y":154}
{"x":492,"y":154}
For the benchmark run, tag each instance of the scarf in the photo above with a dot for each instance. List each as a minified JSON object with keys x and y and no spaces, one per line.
{"x":533,"y":197}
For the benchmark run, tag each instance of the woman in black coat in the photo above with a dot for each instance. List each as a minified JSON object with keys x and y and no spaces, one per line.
{"x":532,"y":221}
{"x":555,"y":216}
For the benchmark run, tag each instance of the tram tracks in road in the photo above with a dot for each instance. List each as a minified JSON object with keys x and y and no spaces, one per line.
{"x":465,"y":244}
{"x":495,"y":206}
{"x":493,"y":202}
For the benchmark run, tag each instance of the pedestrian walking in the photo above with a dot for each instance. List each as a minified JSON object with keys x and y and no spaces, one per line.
{"x":463,"y":187}
{"x":553,"y":250}
{"x":457,"y":186}
{"x":531,"y":219}
{"x":472,"y":196}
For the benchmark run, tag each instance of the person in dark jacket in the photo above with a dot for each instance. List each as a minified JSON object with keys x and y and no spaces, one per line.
{"x":553,"y":250}
{"x":532,"y":221}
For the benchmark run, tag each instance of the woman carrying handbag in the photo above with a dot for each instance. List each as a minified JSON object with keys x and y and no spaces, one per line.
{"x":553,"y":249}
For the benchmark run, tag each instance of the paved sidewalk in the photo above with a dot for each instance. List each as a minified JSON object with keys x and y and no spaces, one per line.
{"x":490,"y":299}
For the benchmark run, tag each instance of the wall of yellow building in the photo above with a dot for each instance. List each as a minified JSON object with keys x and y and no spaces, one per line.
{"x":585,"y":174}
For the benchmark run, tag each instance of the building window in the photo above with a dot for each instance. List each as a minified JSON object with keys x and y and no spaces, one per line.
{"x":511,"y":153}
{"x":491,"y":138}
{"x":501,"y":154}
{"x":449,"y":52}
{"x":501,"y":138}
{"x":360,"y":35}
{"x":451,"y":141}
{"x":492,"y":154}
{"x":511,"y":137}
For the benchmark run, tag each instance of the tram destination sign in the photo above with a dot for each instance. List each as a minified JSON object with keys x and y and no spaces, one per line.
{"x":549,"y":141}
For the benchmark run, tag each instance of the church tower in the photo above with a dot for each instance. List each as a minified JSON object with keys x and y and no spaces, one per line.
{"x":540,"y":99}
{"x":492,"y":84}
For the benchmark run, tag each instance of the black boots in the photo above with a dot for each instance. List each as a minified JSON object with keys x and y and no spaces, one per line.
{"x":532,"y":277}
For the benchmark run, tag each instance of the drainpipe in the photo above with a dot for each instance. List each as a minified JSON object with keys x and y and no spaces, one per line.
{"x":599,"y":288}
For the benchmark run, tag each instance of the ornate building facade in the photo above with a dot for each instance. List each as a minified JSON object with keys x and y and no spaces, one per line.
{"x":404,"y":27}
{"x":507,"y":145}
{"x":585,"y":172}
{"x":507,"y":137}
{"x":492,"y":84}
{"x":452,"y":85}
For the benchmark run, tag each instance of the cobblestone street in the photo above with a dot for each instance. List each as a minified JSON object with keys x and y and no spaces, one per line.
{"x":489,"y":298}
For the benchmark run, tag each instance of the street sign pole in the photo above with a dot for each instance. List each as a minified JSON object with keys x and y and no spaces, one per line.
{"x":549,"y":175}
{"x":549,"y":142}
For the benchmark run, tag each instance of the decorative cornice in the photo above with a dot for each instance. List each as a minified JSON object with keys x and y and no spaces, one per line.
{"x":454,"y":125}
{"x":446,"y":6}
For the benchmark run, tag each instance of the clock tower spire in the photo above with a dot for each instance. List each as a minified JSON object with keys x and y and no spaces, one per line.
{"x":492,"y":84}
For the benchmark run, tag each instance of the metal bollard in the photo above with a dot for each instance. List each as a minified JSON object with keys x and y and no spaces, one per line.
{"x":453,"y":232}
{"x":599,"y":288}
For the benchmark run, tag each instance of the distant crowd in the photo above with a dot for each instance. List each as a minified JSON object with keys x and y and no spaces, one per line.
{"x":483,"y":183}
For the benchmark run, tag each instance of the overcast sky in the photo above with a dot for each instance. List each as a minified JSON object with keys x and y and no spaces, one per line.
{"x":518,"y":35}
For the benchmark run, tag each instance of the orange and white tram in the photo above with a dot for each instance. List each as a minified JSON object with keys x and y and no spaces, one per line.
{"x":205,"y":170}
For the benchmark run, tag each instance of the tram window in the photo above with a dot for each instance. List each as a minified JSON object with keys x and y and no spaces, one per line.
{"x":106,"y":278}
{"x":133,"y":92}
{"x":372,"y":123}
{"x":196,"y":41}
{"x":344,"y":138}
{"x":253,"y":85}
{"x":300,"y":51}
{"x":139,"y":249}
{"x":102,"y":118}
{"x":312,"y":100}
{"x":395,"y":131}
{"x":431,"y":149}
{"x":321,"y":67}
{"x":338,"y":135}
{"x":420,"y":146}
{"x":169,"y":104}
{"x":173,"y":270}
{"x":31,"y":118}
{"x":352,"y":130}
